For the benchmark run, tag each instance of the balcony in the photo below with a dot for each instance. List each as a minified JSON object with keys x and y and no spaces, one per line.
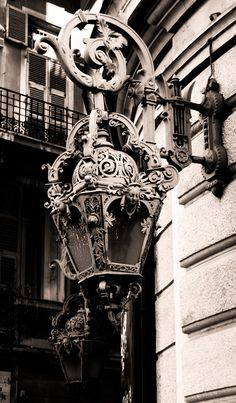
{"x":22,"y":117}
{"x":17,"y":314}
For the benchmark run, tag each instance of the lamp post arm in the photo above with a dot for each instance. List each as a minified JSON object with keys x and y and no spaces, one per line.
{"x":180,"y":101}
{"x":176,"y":114}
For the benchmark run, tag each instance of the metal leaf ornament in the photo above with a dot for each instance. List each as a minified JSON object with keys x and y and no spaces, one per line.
{"x":112,"y":39}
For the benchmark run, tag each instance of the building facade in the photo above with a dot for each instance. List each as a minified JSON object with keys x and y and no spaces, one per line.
{"x":195,"y":251}
{"x":183,"y":326}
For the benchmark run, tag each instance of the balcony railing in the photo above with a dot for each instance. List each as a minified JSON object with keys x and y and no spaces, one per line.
{"x":23,"y":115}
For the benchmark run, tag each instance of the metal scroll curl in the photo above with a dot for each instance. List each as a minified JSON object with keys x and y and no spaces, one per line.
{"x":103,"y":51}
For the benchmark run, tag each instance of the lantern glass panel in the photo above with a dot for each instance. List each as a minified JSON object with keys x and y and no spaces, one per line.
{"x":78,"y":242}
{"x":72,"y":367}
{"x":125,"y":235}
{"x":84,"y":362}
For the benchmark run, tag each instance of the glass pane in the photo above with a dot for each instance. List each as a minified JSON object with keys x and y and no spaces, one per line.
{"x":78,"y":242}
{"x":125,"y":235}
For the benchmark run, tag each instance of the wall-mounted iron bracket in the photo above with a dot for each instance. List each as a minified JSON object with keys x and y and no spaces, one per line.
{"x":176,"y":113}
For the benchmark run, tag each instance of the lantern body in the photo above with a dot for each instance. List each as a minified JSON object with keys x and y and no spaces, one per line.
{"x":84,"y":362}
{"x":106,"y":213}
{"x":101,"y":238}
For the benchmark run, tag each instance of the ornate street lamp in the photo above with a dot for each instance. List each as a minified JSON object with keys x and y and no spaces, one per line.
{"x":107,"y":188}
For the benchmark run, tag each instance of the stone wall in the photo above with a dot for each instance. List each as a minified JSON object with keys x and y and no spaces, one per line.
{"x":196,"y":250}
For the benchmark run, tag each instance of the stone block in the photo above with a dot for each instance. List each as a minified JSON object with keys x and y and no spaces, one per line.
{"x":209,"y":360}
{"x":209,"y":289}
{"x":229,"y":129}
{"x":194,"y":25}
{"x":191,"y":176}
{"x":224,"y":72}
{"x":166,"y":377}
{"x":166,"y":212}
{"x":205,"y":221}
{"x":165,"y":319}
{"x":164,"y":260}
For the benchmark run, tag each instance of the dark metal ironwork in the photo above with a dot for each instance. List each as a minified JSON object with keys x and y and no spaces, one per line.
{"x":105,"y":195}
{"x":81,"y":331}
{"x":177,"y":115}
{"x":106,"y":211}
{"x":27,"y":116}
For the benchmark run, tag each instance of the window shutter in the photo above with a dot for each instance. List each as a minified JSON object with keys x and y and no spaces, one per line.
{"x":36,"y":101}
{"x":58,"y":89}
{"x":7,"y":270}
{"x":57,"y":77}
{"x":37,"y":79}
{"x":8,"y":234}
{"x":57,"y":100}
{"x":37,"y":93}
{"x":37,"y":69}
{"x":17,"y":25}
{"x":57,"y":111}
{"x":8,"y":250}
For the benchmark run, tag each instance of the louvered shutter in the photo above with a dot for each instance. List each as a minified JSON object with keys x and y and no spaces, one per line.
{"x":58,"y":90}
{"x":7,"y":270}
{"x":57,"y":77}
{"x":8,"y":250}
{"x":57,"y":106}
{"x":37,"y":69}
{"x":37,"y":83}
{"x":36,"y":101}
{"x":17,"y":25}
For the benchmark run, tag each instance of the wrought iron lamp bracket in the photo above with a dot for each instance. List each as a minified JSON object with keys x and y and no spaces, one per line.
{"x":176,"y":113}
{"x":105,"y":195}
{"x":77,"y":322}
{"x":115,"y":297}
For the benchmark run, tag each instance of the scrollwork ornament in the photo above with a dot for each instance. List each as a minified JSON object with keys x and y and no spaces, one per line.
{"x":164,"y":179}
{"x":156,"y":177}
{"x":107,"y":164}
{"x":84,"y":170}
{"x":58,"y":166}
{"x":116,"y":164}
{"x":69,"y":329}
{"x":171,"y":176}
{"x":182,"y":156}
{"x":65,"y":265}
{"x":103,"y":51}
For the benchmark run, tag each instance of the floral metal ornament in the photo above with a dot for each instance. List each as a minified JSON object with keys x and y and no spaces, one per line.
{"x":107,"y":188}
{"x":76,"y":339}
{"x":105,"y":194}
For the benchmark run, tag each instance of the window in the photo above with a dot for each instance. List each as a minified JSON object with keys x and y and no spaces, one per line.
{"x":47,"y":102}
{"x":28,"y":244}
{"x":47,"y":83}
{"x":9,"y":208}
{"x":17,"y":25}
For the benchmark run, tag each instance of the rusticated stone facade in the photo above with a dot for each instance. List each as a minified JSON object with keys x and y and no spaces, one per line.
{"x":196,"y":306}
{"x":196,"y":248}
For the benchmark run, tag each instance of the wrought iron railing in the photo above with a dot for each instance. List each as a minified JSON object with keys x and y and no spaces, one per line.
{"x":24,"y":115}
